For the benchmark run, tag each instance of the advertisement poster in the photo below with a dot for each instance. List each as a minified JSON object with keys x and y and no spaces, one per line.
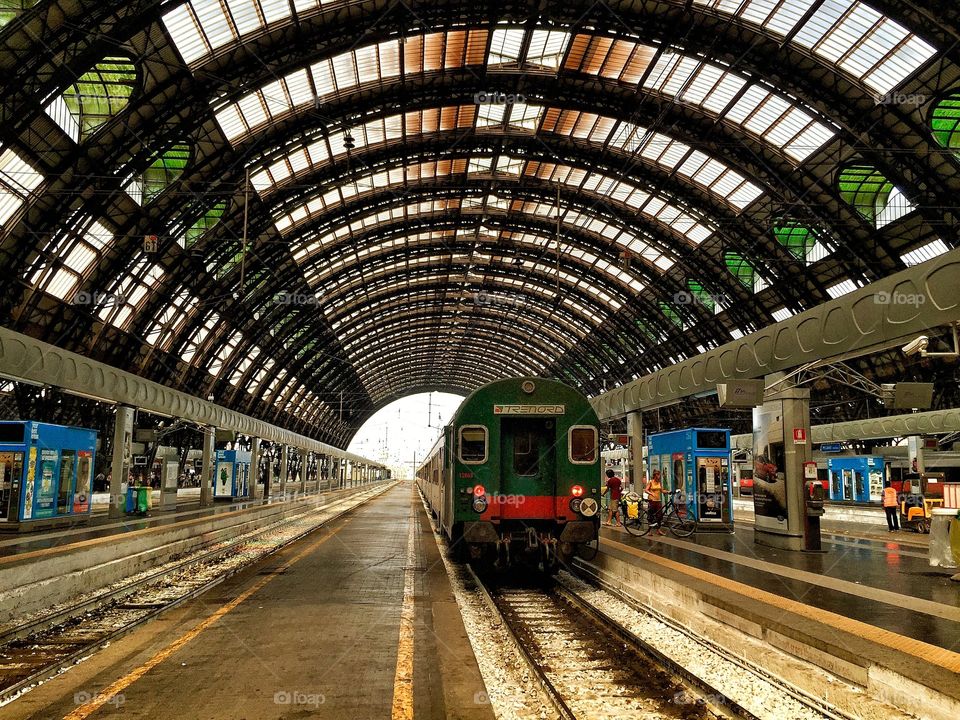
{"x":81,"y":498}
{"x":30,"y":487}
{"x":46,"y":493}
{"x":225,"y":479}
{"x":679,"y":475}
{"x":769,"y":473}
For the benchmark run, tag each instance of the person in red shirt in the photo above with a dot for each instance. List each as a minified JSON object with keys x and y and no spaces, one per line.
{"x":615,"y":488}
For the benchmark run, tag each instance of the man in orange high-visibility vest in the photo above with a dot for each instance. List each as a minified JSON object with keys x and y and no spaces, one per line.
{"x":890,"y":507}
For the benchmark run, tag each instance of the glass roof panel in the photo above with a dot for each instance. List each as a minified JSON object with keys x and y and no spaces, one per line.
{"x":18,"y":179}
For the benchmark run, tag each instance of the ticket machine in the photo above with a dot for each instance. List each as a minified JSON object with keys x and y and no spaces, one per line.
{"x":46,"y":475}
{"x":696,"y":462}
{"x":231,"y":474}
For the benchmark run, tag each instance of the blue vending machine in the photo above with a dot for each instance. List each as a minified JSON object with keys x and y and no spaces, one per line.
{"x":231,"y":474}
{"x":696,"y":461}
{"x":46,"y":475}
{"x":856,"y":478}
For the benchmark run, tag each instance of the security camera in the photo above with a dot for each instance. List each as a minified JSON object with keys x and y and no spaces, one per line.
{"x":916,"y":346}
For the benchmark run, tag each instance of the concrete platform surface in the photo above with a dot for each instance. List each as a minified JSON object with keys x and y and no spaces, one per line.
{"x":356,"y":620}
{"x":881,"y":583}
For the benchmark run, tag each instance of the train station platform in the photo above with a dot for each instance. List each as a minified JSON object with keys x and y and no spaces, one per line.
{"x":100,"y":525}
{"x":357,"y":619}
{"x":865,"y":609}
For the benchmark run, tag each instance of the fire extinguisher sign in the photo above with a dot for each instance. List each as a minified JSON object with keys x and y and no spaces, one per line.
{"x":799,"y":436}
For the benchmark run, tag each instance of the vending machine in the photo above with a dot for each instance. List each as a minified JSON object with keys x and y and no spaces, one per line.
{"x":856,"y":478}
{"x":46,"y":475}
{"x":231,"y":474}
{"x":696,"y":462}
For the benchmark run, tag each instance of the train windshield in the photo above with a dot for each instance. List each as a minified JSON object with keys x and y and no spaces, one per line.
{"x":583,"y":445}
{"x":473,"y":444}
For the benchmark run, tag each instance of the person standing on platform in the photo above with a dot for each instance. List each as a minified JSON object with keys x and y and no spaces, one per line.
{"x":654,"y":490}
{"x":615,"y":488}
{"x":890,"y":507}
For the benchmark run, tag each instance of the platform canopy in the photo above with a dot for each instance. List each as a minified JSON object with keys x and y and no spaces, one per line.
{"x":309,"y":208}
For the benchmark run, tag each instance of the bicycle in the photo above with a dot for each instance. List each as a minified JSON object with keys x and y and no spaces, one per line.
{"x":638,"y":524}
{"x":677,"y":519}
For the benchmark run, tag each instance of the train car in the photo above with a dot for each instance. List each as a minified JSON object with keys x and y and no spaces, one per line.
{"x":517,"y":473}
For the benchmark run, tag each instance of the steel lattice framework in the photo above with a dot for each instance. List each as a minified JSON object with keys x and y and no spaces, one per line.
{"x":308,"y":209}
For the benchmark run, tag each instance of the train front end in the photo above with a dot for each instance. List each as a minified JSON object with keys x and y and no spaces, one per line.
{"x":526,"y":471}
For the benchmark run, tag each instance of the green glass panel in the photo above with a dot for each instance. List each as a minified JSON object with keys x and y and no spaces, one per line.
{"x":10,"y":9}
{"x":671,"y":314}
{"x":866,"y":189}
{"x":741,"y":268}
{"x":700,"y":293}
{"x":945,"y":122}
{"x":797,"y":238}
{"x":164,"y":171}
{"x":232,"y":262}
{"x":644,"y":328}
{"x":101,"y":93}
{"x":205,"y":223}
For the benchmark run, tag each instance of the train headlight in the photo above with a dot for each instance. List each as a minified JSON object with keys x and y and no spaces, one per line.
{"x":575,"y":504}
{"x":588,"y":507}
{"x":479,"y":504}
{"x":577,"y":491}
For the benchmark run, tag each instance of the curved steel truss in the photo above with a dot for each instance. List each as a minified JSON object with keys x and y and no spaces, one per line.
{"x":309,"y":209}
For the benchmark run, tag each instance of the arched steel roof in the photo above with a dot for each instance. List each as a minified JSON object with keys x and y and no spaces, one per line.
{"x":352,"y":200}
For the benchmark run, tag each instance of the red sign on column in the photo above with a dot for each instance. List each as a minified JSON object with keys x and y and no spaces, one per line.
{"x":799,"y":436}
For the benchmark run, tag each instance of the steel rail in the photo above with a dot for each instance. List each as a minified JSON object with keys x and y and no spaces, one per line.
{"x":585,"y":573}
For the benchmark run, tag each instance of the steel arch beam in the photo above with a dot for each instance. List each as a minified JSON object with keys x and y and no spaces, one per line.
{"x":850,"y":326}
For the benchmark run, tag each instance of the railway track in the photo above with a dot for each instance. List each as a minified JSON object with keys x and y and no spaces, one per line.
{"x":588,"y":666}
{"x":44,"y":647}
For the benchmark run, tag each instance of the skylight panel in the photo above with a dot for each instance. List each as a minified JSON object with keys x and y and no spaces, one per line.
{"x":925,"y":252}
{"x":244,"y":14}
{"x":782,"y":314}
{"x":548,"y":47}
{"x":184,"y":30}
{"x":505,"y":45}
{"x":736,"y":334}
{"x":841,"y":288}
{"x":17,"y":180}
{"x":525,"y":116}
{"x":897,"y":207}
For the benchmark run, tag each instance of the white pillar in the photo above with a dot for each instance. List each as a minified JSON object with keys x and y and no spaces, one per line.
{"x":284,"y":469}
{"x":120,"y":467}
{"x":915,"y":453}
{"x":254,"y":480}
{"x":635,"y":452}
{"x":304,"y":458}
{"x":206,"y":473}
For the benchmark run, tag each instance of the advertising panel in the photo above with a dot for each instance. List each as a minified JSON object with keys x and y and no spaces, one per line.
{"x":45,"y":499}
{"x":225,"y":479}
{"x":29,"y":488}
{"x":769,"y":468}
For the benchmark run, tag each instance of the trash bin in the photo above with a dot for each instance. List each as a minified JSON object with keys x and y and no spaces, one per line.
{"x":945,"y":538}
{"x":131,"y":503}
{"x":143,"y":499}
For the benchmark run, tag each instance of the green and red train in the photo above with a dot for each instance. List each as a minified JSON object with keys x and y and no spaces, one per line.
{"x":517,"y":473}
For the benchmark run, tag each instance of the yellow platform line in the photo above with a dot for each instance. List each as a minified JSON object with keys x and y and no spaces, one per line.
{"x":900,"y":643}
{"x":127,"y":680}
{"x":403,"y":678}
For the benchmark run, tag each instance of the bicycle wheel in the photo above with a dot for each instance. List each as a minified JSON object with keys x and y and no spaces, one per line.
{"x":681,"y":524}
{"x":638,"y":526}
